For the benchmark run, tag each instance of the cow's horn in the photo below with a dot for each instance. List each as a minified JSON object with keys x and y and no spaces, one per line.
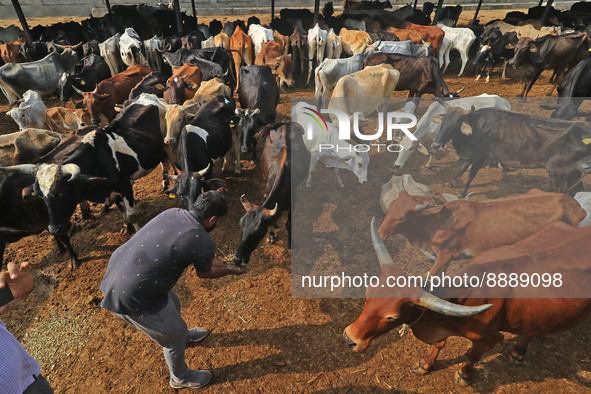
{"x":273,"y":211}
{"x":436,"y":304}
{"x":22,"y":168}
{"x":420,"y":207}
{"x":203,"y":171}
{"x":80,"y":92}
{"x":460,"y":91}
{"x":244,"y":201}
{"x":78,"y":45}
{"x":169,"y":176}
{"x":383,"y":256}
{"x":71,"y":169}
{"x":444,"y":104}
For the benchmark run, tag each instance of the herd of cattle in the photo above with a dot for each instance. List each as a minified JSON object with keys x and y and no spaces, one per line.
{"x":136,"y":94}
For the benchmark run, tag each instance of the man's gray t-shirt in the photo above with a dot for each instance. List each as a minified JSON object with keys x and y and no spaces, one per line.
{"x":143,"y":270}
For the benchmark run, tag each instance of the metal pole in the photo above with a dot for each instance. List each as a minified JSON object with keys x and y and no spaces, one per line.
{"x":272,"y":10}
{"x":477,"y":11}
{"x":316,"y":10}
{"x":415,"y":6}
{"x":540,"y":3}
{"x":194,"y":12}
{"x":108,"y":6}
{"x":546,"y":11}
{"x":22,"y":19}
{"x":438,"y":13}
{"x":179,"y":21}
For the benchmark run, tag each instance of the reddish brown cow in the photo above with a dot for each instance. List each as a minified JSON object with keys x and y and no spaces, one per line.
{"x":241,"y":46}
{"x":10,"y":52}
{"x":183,"y":83}
{"x":467,"y":228}
{"x":114,"y":90}
{"x":414,"y":36}
{"x":282,"y":66}
{"x":433,"y":35}
{"x":556,"y":248}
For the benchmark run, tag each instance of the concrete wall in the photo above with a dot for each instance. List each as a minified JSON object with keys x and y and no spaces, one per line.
{"x":220,"y":7}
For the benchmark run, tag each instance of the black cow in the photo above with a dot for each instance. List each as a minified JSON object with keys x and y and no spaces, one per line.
{"x":253,"y":20}
{"x":381,"y":35}
{"x":34,"y":50}
{"x":91,"y":48}
{"x":95,"y":70}
{"x":193,"y":40}
{"x":153,"y":83}
{"x":495,"y":135}
{"x":108,"y":160}
{"x":558,"y":52}
{"x":451,"y":13}
{"x":285,"y":163}
{"x":258,"y":95}
{"x":495,"y":46}
{"x":418,"y":74}
{"x":215,"y":27}
{"x":172,"y":43}
{"x":210,"y":135}
{"x":573,"y":89}
{"x":19,"y":219}
{"x":228,"y":28}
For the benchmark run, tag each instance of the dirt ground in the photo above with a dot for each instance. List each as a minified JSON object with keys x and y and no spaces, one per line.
{"x":263,"y":339}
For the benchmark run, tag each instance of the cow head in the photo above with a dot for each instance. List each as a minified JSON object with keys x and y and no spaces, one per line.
{"x":175,"y":89}
{"x":525,"y":45}
{"x":452,"y":121}
{"x":389,"y":307}
{"x":283,"y":68}
{"x":191,"y":185}
{"x":250,"y":123}
{"x":61,"y":187}
{"x":96,"y":104}
{"x":400,"y":209}
{"x":19,"y":114}
{"x":359,"y":166}
{"x":175,"y":120}
{"x":253,"y":226}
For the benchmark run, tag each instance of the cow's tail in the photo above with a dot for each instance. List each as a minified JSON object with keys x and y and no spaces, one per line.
{"x":282,"y":165}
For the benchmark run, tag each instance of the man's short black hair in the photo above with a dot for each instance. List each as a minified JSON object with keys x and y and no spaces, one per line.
{"x":210,"y":203}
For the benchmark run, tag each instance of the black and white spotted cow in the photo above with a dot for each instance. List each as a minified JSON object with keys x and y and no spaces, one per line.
{"x":107,"y":160}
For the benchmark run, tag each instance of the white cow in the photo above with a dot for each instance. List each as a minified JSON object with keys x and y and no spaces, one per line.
{"x":153,"y":46}
{"x":259,"y":35}
{"x":31,"y":111}
{"x":334,"y":45}
{"x":209,"y":43}
{"x":342,"y":157}
{"x":316,"y":46}
{"x":460,"y":39}
{"x":584,"y":200}
{"x":131,"y":48}
{"x":111,"y":53}
{"x":427,"y":129}
{"x":328,"y":73}
{"x":403,"y":48}
{"x":354,"y":24}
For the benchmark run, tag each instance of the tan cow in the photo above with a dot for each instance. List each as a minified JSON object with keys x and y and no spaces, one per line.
{"x":282,"y":66}
{"x":222,"y":40}
{"x":10,"y":52}
{"x":26,"y":146}
{"x":60,"y":119}
{"x":524,"y":31}
{"x":283,"y":40}
{"x":242,"y":51}
{"x":407,"y":35}
{"x":364,"y":91}
{"x":354,"y":41}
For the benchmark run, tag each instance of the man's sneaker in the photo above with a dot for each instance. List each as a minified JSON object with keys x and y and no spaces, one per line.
{"x":197,"y":334}
{"x":194,"y":380}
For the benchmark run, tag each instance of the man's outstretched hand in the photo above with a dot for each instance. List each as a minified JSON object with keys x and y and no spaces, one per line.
{"x":219,"y":268}
{"x":19,"y":280}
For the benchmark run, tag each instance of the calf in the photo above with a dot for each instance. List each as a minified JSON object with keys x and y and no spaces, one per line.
{"x":298,"y":43}
{"x":281,"y":65}
{"x":330,"y":71}
{"x":30,"y":112}
{"x":495,"y":46}
{"x":183,"y":83}
{"x":284,"y":163}
{"x":60,"y":119}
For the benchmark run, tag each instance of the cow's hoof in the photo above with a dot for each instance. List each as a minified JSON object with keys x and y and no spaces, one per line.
{"x":74,"y":264}
{"x":517,"y":357}
{"x":460,"y":380}
{"x":271,"y":238}
{"x":419,"y":369}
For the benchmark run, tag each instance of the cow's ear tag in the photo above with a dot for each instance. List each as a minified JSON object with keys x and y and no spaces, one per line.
{"x":422,"y":149}
{"x":466,"y":129}
{"x":171,"y":195}
{"x":232,"y":124}
{"x":33,"y":194}
{"x":587,"y":141}
{"x":82,"y":82}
